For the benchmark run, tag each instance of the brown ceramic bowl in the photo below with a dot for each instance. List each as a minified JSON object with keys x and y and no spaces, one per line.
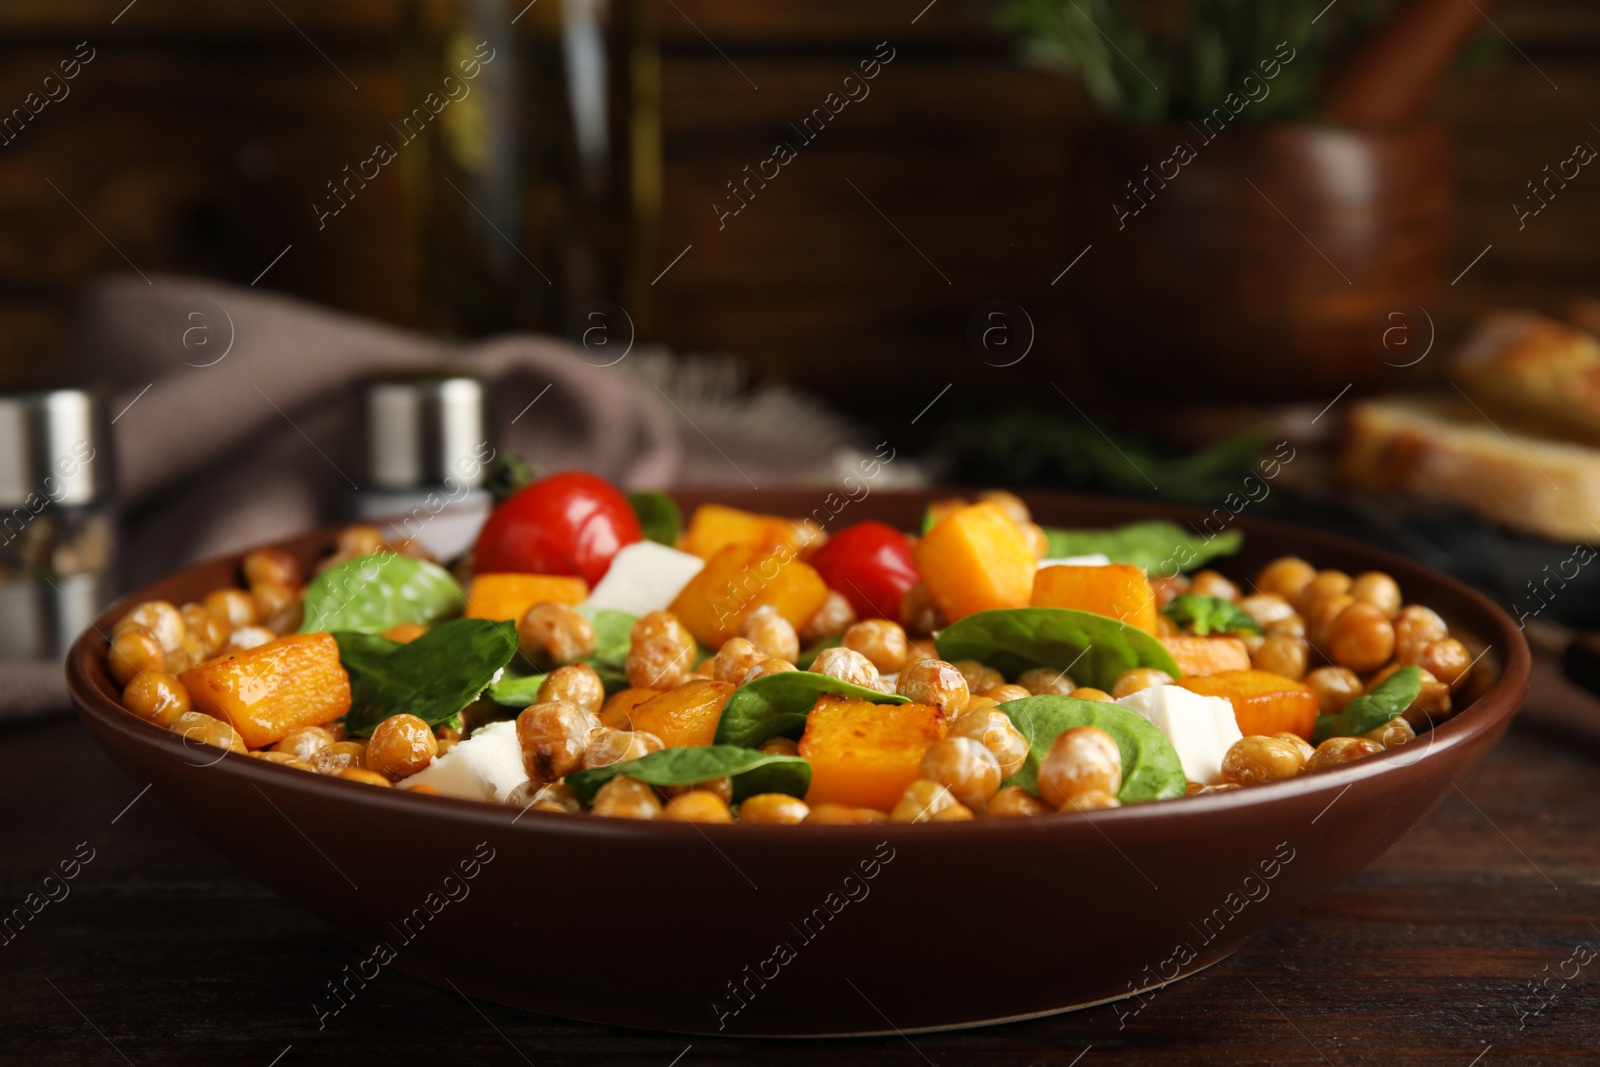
{"x":810,"y":930}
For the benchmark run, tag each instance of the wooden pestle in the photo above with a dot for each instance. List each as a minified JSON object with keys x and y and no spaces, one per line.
{"x":1387,"y":79}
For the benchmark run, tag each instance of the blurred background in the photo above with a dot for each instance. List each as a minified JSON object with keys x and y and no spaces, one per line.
{"x":1090,"y":245}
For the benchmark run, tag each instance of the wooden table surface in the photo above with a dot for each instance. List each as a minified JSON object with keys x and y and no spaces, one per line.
{"x":161,"y":952}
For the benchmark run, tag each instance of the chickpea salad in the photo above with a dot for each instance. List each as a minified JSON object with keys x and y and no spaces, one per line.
{"x":594,"y":654}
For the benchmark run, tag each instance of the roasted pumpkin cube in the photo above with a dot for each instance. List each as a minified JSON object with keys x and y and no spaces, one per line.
{"x":741,"y":578}
{"x":975,"y":559}
{"x":266,"y":691}
{"x":1263,"y":702}
{"x":714,"y":527}
{"x":865,"y":754}
{"x":1198,"y":656}
{"x":1119,"y":590}
{"x":507,"y":597}
{"x":685,"y":716}
{"x":617,"y":711}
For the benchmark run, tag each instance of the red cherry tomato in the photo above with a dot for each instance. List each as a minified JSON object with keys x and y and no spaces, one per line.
{"x":870,"y":565}
{"x":568,"y":523}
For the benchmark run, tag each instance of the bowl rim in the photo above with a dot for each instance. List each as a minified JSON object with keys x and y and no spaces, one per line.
{"x":91,"y":690}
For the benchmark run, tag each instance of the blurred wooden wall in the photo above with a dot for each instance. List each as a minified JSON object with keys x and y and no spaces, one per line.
{"x":199,"y":134}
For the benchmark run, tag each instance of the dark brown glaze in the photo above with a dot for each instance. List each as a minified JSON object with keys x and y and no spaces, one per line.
{"x":1089,"y":906}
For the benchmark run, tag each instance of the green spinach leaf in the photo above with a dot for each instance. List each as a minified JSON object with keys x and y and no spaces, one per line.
{"x":809,"y":656}
{"x":516,"y":690}
{"x":659,"y":518}
{"x":433,"y":677}
{"x":1094,"y":649}
{"x":752,"y":772}
{"x":1389,"y":698}
{"x":1204,"y":615}
{"x":776,"y":705}
{"x":369,"y":594}
{"x":1159,"y":546}
{"x":1150,"y":767}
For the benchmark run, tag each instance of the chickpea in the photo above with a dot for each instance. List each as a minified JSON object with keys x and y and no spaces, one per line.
{"x":1220,"y":787}
{"x":157,"y":696}
{"x":1337,"y":750}
{"x":1397,"y":731}
{"x":1256,"y":759}
{"x":773,"y":808}
{"x":1210,"y":583}
{"x":1252,"y":642}
{"x":358,"y":539}
{"x":189,"y":654}
{"x":1138,"y":678}
{"x":1286,"y":576}
{"x":1379,"y":590}
{"x":919,"y":648}
{"x":832,"y":619}
{"x":847,"y":665}
{"x":1301,"y":745}
{"x":133,"y":651}
{"x":770,"y":632}
{"x":697,"y":805}
{"x":978,"y":702}
{"x":247,"y":637}
{"x":449,"y":737}
{"x":1289,"y":626}
{"x":1091,"y":800}
{"x":1087,"y":692}
{"x":1282,"y":655}
{"x":160,"y":618}
{"x":965,"y":766}
{"x":734,"y":660}
{"x":1002,"y":693}
{"x":401,"y":746}
{"x":423,"y":789}
{"x":1168,"y":587}
{"x":933,"y":681}
{"x":659,"y":662}
{"x":925,"y":801}
{"x":234,"y":606}
{"x":1322,"y":614}
{"x":626,"y":798}
{"x":1192,"y":788}
{"x":660,"y":624}
{"x":722,"y":787}
{"x":1415,"y":628}
{"x":204,"y":627}
{"x":557,"y":796}
{"x":410,"y":546}
{"x":1326,"y":584}
{"x":200,"y":728}
{"x":282,"y":607}
{"x":919,"y":614}
{"x":552,"y":634}
{"x":365,"y":777}
{"x":1361,"y":638}
{"x":1447,"y":660}
{"x":779,"y":746}
{"x":607,"y":746}
{"x":1083,"y":758}
{"x":979,"y":678}
{"x":768,"y":666}
{"x":707,"y":668}
{"x":554,"y":737}
{"x":843,"y":815}
{"x":881,"y":641}
{"x":1041,"y":680}
{"x":1010,"y":503}
{"x":1266,"y":608}
{"x":1334,"y":688}
{"x":1013,"y":801}
{"x":304,"y":742}
{"x":576,"y":683}
{"x":271,"y":565}
{"x":331,"y":759}
{"x":282,"y":759}
{"x":1165,"y":627}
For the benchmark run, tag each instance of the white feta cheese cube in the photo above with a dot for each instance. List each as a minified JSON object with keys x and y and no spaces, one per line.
{"x":486,"y":766}
{"x":644,"y":577}
{"x":1094,"y":560}
{"x":1201,"y":728}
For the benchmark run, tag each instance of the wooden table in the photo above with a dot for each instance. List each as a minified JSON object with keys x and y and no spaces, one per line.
{"x":160,"y":952}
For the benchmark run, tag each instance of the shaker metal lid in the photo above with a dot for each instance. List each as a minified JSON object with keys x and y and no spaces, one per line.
{"x":55,"y":445}
{"x":425,"y":428}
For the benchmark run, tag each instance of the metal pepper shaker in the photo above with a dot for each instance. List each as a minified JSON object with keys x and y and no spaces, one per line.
{"x":427,"y":448}
{"x":57,"y":519}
